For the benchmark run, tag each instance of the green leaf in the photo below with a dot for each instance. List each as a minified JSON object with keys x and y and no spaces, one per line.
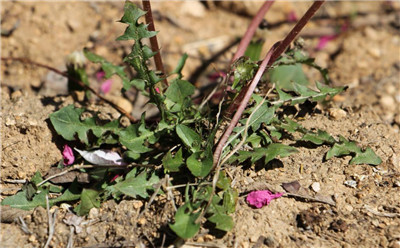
{"x":135,"y":30}
{"x":136,"y":185}
{"x":200,"y":163}
{"x":185,"y":226}
{"x":284,"y":76}
{"x":109,"y":68}
{"x":67,"y":123}
{"x":318,"y":138}
{"x":263,"y":114}
{"x":223,"y":222}
{"x":178,"y":92}
{"x":270,"y":152}
{"x":135,"y":136}
{"x":230,"y":199}
{"x":345,"y":147}
{"x":19,"y":200}
{"x":73,"y":193}
{"x":89,"y":200}
{"x":223,"y":181}
{"x":254,"y":49}
{"x":179,"y":67}
{"x":173,"y":163}
{"x":189,"y":137}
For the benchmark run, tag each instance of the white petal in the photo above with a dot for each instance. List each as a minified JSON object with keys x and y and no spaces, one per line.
{"x":102,"y":157}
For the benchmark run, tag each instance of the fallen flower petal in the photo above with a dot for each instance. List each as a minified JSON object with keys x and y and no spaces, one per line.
{"x":68,"y":155}
{"x":106,"y":86}
{"x":102,"y":157}
{"x":158,"y":90}
{"x":261,"y":198}
{"x":323,"y":41}
{"x":100,"y":75}
{"x":292,"y":17}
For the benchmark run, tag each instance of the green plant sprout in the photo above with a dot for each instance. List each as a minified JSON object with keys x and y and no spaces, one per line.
{"x":185,"y":143}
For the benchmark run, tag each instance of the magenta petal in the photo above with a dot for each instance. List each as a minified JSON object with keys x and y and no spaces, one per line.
{"x":68,"y":155}
{"x":261,"y":198}
{"x":106,"y":86}
{"x":100,"y":75}
{"x":323,"y":41}
{"x":292,"y":17}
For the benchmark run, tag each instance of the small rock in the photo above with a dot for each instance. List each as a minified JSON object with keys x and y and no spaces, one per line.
{"x":390,"y":89}
{"x":16,"y":95}
{"x":316,"y":186}
{"x":395,"y":244}
{"x":337,"y":113}
{"x":142,"y":221}
{"x":137,"y":204}
{"x":387,"y":102}
{"x":72,"y":24}
{"x":375,"y":52}
{"x":371,"y":33}
{"x":93,"y":213}
{"x":193,"y":8}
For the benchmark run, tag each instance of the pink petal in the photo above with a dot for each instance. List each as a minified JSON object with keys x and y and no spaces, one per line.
{"x":292,"y":17}
{"x":261,"y":198}
{"x":158,"y":90}
{"x":106,"y":86}
{"x":323,"y":41}
{"x":100,"y":75}
{"x":68,"y":155}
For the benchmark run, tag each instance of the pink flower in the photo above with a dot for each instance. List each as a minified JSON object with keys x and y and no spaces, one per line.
{"x":261,"y":198}
{"x":68,"y":155}
{"x":157,"y":90}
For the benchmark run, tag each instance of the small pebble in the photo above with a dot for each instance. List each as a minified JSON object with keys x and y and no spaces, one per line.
{"x":16,"y":95}
{"x":387,"y":102}
{"x":337,"y":113}
{"x":316,"y":186}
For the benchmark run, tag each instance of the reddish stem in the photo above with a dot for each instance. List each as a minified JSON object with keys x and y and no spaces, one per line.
{"x":242,"y":106}
{"x":28,"y":61}
{"x":271,"y":56}
{"x":251,"y":30}
{"x":281,"y":48}
{"x":296,"y":30}
{"x":153,"y":40}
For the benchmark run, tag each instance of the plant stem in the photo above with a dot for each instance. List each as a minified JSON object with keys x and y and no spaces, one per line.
{"x":28,"y":61}
{"x":153,"y":40}
{"x":252,"y":29}
{"x":242,"y":106}
{"x":296,"y":30}
{"x":280,"y":49}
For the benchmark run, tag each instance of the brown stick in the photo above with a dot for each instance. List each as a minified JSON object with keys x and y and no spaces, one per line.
{"x":153,"y":40}
{"x":28,"y":61}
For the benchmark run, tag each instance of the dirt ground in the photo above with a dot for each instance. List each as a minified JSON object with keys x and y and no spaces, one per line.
{"x":366,"y":57}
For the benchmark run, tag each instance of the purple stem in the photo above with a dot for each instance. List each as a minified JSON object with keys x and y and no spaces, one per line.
{"x":252,"y":29}
{"x":242,"y":105}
